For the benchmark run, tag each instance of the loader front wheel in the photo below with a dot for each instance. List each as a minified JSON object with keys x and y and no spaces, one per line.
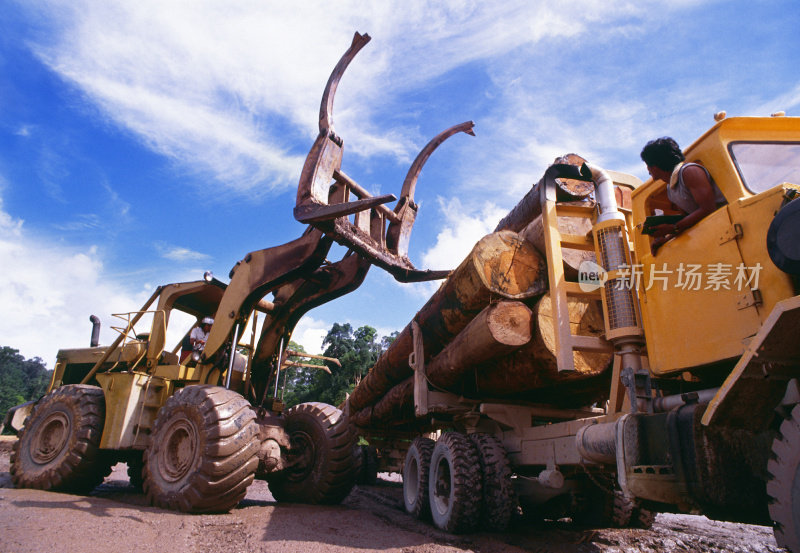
{"x":784,"y":484}
{"x":321,"y":464}
{"x":416,"y":472}
{"x":202,"y":455}
{"x":455,"y":484}
{"x":59,"y":447}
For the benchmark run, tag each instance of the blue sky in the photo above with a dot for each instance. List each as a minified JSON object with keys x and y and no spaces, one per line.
{"x":146,"y":142}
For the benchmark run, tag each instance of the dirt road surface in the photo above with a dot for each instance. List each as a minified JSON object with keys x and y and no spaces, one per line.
{"x":115,"y":518}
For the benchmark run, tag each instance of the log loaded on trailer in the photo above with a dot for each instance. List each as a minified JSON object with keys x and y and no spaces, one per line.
{"x":566,"y":370}
{"x":196,"y":431}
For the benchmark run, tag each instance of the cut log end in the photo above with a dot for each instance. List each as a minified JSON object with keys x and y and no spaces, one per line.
{"x":510,"y":323}
{"x":509,"y":266}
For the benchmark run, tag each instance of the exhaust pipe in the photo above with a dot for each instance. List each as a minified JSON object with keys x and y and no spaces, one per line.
{"x":95,"y":341}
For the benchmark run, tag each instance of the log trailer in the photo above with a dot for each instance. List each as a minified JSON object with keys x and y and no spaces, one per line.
{"x":196,"y":431}
{"x":573,"y":373}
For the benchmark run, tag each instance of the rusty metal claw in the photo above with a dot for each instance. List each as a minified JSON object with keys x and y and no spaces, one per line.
{"x":326,"y":107}
{"x":376,"y":232}
{"x":398,"y":235}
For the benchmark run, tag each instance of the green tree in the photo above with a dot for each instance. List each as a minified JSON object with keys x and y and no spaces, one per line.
{"x":299,"y":380}
{"x":357,"y":350}
{"x":21,"y":379}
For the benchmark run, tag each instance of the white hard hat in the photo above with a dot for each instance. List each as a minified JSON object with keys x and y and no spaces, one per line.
{"x":207,"y":321}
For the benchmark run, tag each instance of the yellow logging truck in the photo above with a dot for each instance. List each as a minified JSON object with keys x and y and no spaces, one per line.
{"x":620,"y":382}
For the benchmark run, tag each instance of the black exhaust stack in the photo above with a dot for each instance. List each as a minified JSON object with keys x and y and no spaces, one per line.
{"x":95,"y":331}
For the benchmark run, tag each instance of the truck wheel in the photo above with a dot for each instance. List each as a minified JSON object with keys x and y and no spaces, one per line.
{"x":783,"y":486}
{"x":59,"y":447}
{"x":202,"y":453}
{"x":498,"y":492}
{"x":367,"y":465}
{"x":616,"y":511}
{"x":454,"y":488}
{"x":321,"y":465}
{"x":416,"y":470}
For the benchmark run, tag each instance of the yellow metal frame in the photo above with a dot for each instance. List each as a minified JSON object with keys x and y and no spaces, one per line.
{"x":560,"y":289}
{"x":734,"y":235}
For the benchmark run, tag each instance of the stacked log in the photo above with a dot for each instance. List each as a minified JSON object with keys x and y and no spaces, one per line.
{"x":500,"y":266}
{"x":579,"y":226}
{"x":461,"y":326}
{"x":499,"y":329}
{"x":534,"y":367}
{"x":530,"y":206}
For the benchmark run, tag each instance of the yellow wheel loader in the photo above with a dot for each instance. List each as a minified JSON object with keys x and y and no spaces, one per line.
{"x":197,"y":426}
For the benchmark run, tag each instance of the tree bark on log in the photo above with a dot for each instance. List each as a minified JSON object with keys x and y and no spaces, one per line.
{"x":501,"y":265}
{"x":534,"y":367}
{"x":580,"y":226}
{"x":530,"y":206}
{"x":497,"y":330}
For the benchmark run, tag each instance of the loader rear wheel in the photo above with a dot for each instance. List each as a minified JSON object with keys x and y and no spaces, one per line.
{"x":416,"y":472}
{"x":455,"y":486}
{"x":498,"y":491}
{"x":59,"y":447}
{"x":202,"y":455}
{"x":784,"y":484}
{"x":321,"y":465}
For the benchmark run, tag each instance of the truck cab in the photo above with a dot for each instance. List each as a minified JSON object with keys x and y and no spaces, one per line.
{"x":716,"y":279}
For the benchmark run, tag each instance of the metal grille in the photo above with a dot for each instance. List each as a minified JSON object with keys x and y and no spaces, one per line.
{"x":619,"y":297}
{"x":611,"y":241}
{"x":620,"y":304}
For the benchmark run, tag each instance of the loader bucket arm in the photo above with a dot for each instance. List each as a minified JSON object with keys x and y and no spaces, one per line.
{"x":295,"y":299}
{"x":324,"y":194}
{"x":259,"y":273}
{"x":398,"y":234}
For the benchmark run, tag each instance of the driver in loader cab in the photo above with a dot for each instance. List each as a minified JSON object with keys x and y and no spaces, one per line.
{"x":690,"y":187}
{"x":197,"y":338}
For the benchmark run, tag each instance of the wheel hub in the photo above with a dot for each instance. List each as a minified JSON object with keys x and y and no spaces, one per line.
{"x":442,"y":487}
{"x":51,"y":438}
{"x":411,"y":481}
{"x":301,"y":456}
{"x":180,"y":450}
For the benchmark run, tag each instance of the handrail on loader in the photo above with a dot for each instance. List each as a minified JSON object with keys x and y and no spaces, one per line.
{"x":298,"y":273}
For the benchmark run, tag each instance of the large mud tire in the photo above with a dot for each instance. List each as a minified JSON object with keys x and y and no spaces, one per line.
{"x":783,"y":486}
{"x":59,"y":447}
{"x":603,"y":508}
{"x":499,"y":501}
{"x":455,"y":484}
{"x":322,"y":467}
{"x":416,"y":472}
{"x":202,"y":454}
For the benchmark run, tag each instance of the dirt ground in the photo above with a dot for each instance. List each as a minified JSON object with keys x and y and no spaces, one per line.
{"x":114,"y":518}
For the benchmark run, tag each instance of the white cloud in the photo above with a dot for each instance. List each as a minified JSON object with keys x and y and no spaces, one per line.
{"x":226,"y":89}
{"x":310,"y":333}
{"x":179,"y":254}
{"x":49,"y":291}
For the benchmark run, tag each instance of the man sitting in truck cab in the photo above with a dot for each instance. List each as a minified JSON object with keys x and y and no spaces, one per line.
{"x":690,"y":187}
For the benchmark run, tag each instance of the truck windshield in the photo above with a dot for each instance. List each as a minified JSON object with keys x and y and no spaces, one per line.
{"x":763,"y":165}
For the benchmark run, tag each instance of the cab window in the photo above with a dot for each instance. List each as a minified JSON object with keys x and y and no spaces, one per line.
{"x":764,"y":165}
